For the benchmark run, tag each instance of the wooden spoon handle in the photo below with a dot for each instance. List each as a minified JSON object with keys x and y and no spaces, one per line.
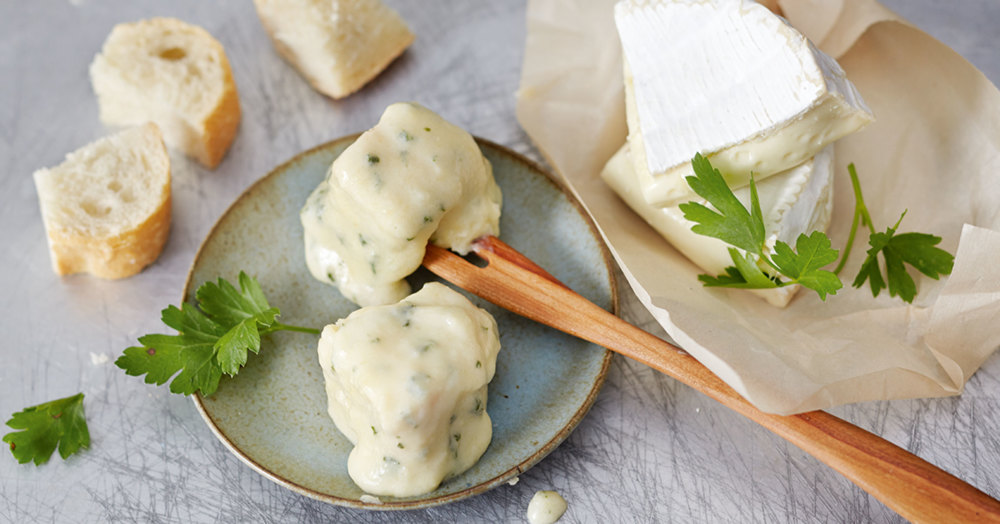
{"x":913,"y":487}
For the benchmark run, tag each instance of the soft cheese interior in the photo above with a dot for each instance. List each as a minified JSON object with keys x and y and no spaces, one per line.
{"x":411,"y":179}
{"x":796,"y":201}
{"x":407,"y":385}
{"x":731,"y":80}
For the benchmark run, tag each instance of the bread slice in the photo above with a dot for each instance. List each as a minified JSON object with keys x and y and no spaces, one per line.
{"x":173,"y":73}
{"x":106,"y":208}
{"x":338,"y":45}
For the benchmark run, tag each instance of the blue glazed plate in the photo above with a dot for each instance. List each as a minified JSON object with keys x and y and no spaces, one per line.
{"x":273,"y":415}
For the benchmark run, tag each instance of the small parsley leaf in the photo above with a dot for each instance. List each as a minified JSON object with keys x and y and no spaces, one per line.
{"x":746,"y":274}
{"x":803,"y":266}
{"x":227,"y":305}
{"x":59,"y":424}
{"x":732,"y":223}
{"x":213,"y":337}
{"x":915,"y":249}
{"x":869,"y":268}
{"x":732,"y":278}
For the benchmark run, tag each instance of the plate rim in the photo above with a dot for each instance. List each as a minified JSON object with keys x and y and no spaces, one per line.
{"x":481,"y":487}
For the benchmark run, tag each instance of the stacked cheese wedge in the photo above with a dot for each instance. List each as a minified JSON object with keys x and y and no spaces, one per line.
{"x":733,"y":81}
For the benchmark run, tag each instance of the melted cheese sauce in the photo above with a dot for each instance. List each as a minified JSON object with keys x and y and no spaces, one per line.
{"x":406,"y":384}
{"x":546,"y":507}
{"x":411,"y":179}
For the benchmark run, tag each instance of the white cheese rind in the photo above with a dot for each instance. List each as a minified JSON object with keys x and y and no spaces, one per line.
{"x":411,"y":179}
{"x":793,"y":202}
{"x":731,"y":80}
{"x":406,"y":383}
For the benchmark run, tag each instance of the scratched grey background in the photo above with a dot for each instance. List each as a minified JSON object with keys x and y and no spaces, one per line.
{"x":651,"y":450}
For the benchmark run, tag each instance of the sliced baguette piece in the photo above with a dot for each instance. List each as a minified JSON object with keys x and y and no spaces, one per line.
{"x":173,"y":73}
{"x":337,"y":45}
{"x":106,"y":208}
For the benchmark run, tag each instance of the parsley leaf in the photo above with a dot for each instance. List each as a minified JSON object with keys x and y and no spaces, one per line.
{"x":755,"y":268}
{"x":732,"y":278}
{"x":59,"y":423}
{"x":915,"y":249}
{"x":732,"y":224}
{"x":804,"y":264}
{"x":213,"y":337}
{"x":743,"y":228}
{"x":746,"y":274}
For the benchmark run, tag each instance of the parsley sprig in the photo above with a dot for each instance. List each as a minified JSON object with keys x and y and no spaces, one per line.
{"x":915,"y":249}
{"x":44,"y":428}
{"x":213,"y":337}
{"x":754,"y":267}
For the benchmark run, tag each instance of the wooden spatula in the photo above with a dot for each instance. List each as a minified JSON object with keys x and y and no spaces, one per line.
{"x":913,"y":487}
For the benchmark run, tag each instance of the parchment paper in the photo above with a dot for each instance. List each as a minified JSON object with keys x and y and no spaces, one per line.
{"x":934,"y":151}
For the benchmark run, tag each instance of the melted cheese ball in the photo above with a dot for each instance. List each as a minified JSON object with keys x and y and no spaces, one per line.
{"x":411,"y":179}
{"x":406,"y":383}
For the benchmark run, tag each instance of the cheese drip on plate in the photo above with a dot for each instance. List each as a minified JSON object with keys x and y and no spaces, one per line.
{"x":406,"y":384}
{"x":411,"y":179}
{"x":796,"y":201}
{"x":730,"y":80}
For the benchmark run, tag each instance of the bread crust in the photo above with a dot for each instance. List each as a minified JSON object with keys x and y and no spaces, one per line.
{"x":392,"y":45}
{"x":213,"y":134}
{"x":221,"y":125}
{"x":113,"y":257}
{"x":110,"y":248}
{"x":376,"y":67}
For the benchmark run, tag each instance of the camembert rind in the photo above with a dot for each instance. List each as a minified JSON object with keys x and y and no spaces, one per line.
{"x":793,"y":202}
{"x":731,"y":80}
{"x":411,"y":179}
{"x":407,"y":385}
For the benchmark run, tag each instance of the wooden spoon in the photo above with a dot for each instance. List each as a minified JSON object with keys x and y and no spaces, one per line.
{"x":911,"y":486}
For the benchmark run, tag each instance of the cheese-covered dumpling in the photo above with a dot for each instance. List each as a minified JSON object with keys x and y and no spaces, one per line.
{"x":406,"y":384}
{"x":411,"y":179}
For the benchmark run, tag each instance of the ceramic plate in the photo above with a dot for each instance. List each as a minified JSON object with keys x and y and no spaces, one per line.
{"x":273,"y":414}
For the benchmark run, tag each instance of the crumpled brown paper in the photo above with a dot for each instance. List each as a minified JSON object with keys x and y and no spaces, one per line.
{"x":934,"y":151}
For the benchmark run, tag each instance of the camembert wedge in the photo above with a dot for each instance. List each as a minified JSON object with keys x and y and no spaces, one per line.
{"x":730,"y":80}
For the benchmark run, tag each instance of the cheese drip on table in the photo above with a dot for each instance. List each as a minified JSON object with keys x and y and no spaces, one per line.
{"x":406,"y":383}
{"x":546,"y":507}
{"x":796,"y":201}
{"x":732,"y":81}
{"x":412,"y":178}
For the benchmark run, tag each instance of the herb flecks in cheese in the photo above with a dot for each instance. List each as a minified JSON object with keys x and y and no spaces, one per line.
{"x":414,"y":403}
{"x":732,"y":81}
{"x":397,"y":189}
